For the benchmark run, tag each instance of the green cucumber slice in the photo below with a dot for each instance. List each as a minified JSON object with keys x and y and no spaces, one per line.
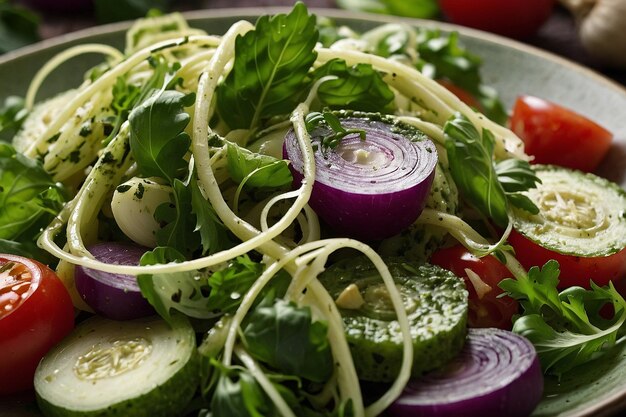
{"x":436,"y":303}
{"x":580,"y":214}
{"x":107,"y":368}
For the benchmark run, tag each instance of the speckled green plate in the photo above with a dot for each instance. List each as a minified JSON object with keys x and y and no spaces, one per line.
{"x":598,"y":389}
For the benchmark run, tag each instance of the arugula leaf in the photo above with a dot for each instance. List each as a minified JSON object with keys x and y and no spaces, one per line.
{"x":257,"y":170}
{"x":283,"y":335}
{"x":214,"y":235}
{"x":566,"y":328}
{"x":18,"y":27}
{"x":270,"y":70}
{"x":442,"y":56}
{"x":335,"y":131}
{"x":27,"y":194}
{"x":157,"y":138}
{"x":471,"y":166}
{"x":359,"y":87}
{"x":237,"y":394}
{"x":229,"y":285}
{"x":178,"y":227}
{"x":12,"y":114}
{"x":515,"y":176}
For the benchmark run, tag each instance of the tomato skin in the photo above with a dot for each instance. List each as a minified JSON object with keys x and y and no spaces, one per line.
{"x":514,"y":18}
{"x":39,"y":322}
{"x":575,"y":270}
{"x":490,"y":310}
{"x":556,"y":135}
{"x":462,"y":94}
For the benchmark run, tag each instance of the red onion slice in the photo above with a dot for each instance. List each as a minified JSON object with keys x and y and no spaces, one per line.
{"x":496,"y":374}
{"x":115,"y":296}
{"x":369,"y":189}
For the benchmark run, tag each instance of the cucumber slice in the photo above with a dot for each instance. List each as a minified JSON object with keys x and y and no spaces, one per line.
{"x":580,"y":214}
{"x":435,"y":300}
{"x":133,"y":368}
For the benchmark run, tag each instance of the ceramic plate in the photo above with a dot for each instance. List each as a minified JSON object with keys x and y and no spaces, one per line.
{"x":598,"y":389}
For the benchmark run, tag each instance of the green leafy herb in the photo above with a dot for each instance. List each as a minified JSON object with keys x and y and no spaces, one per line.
{"x":270,"y":69}
{"x":334,"y":131}
{"x":516,"y":176}
{"x":157,"y":138}
{"x":566,"y":328}
{"x":471,"y":166}
{"x":239,"y":395}
{"x":359,"y":87}
{"x":214,"y":235}
{"x":257,"y":170}
{"x":284,"y":336}
{"x":18,"y":27}
{"x":441,"y":56}
{"x":177,"y":226}
{"x":12,"y":114}
{"x":199,"y":294}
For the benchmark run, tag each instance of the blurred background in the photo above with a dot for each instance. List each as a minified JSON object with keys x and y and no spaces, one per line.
{"x":586,"y":31}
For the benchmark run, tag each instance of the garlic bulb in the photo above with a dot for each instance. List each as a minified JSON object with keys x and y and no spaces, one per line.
{"x":133,"y":205}
{"x":602,"y":28}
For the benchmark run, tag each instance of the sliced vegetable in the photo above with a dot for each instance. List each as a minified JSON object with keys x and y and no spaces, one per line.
{"x":368,"y":189}
{"x":496,"y":374}
{"x":487,"y":306}
{"x":436,"y":304}
{"x":36,"y":312}
{"x":110,"y":368}
{"x":115,"y":296}
{"x":581,"y":224}
{"x":556,"y":135}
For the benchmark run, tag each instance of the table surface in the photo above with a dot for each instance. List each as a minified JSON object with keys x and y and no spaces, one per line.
{"x":558,"y":35}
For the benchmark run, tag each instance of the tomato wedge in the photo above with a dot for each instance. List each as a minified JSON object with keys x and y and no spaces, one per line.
{"x":486,"y":307}
{"x":36,"y":312}
{"x":556,"y":135}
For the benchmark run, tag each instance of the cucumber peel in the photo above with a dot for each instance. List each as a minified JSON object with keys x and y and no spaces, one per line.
{"x":580,"y":214}
{"x":436,"y":303}
{"x":109,"y":368}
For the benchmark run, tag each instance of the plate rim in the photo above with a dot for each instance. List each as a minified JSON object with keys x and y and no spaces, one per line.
{"x":608,"y":405}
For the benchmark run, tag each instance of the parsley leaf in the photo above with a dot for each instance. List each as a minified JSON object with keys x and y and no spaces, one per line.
{"x":358,"y":87}
{"x":566,"y":328}
{"x":284,"y":336}
{"x":237,"y":393}
{"x":270,"y":69}
{"x":257,"y":170}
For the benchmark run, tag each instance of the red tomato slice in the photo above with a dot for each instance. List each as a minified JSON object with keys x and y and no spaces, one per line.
{"x":462,"y":94}
{"x":486,"y":309}
{"x":36,"y":312}
{"x":515,"y":18}
{"x":559,"y":136}
{"x":575,"y":270}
